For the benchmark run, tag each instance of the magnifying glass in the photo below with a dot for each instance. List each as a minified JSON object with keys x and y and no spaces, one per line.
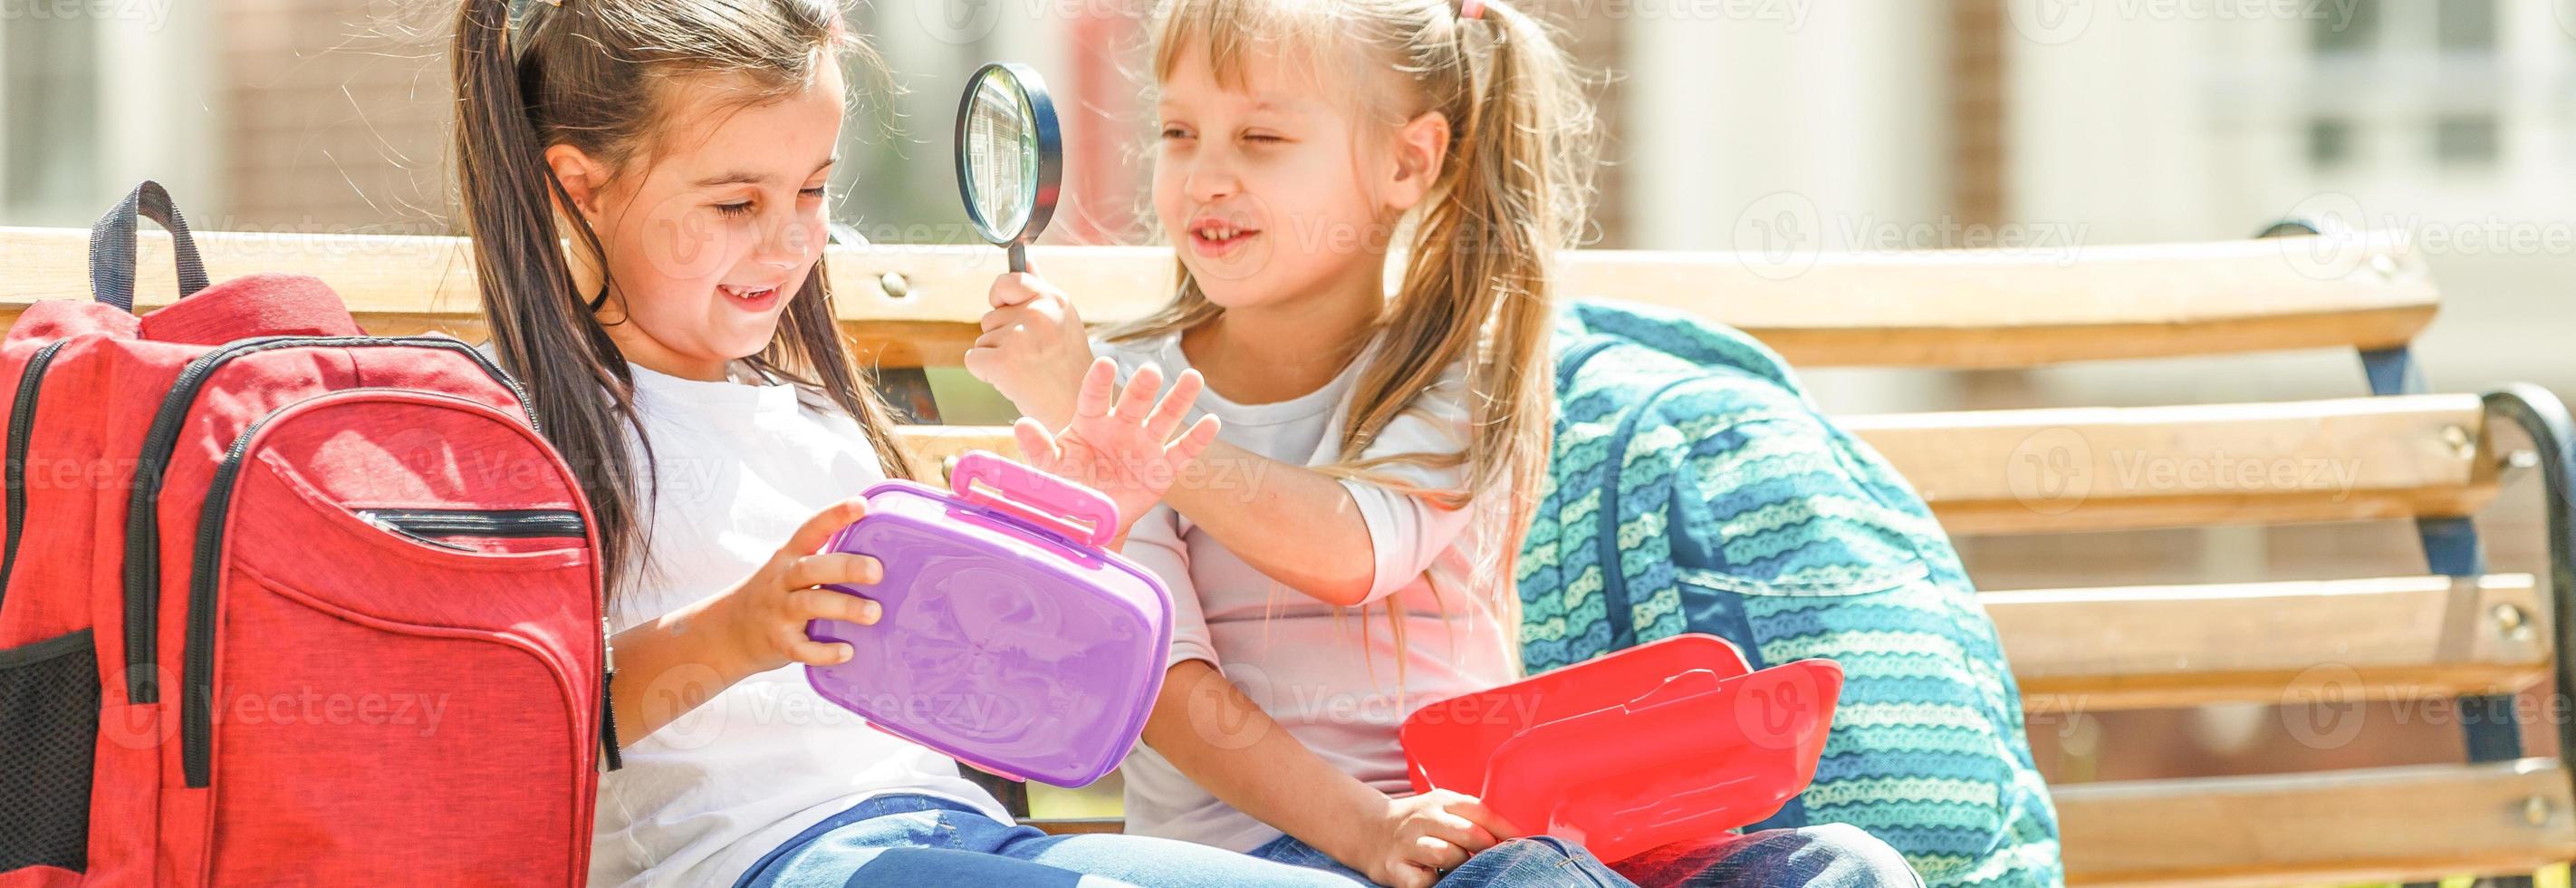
{"x":1009,"y":156}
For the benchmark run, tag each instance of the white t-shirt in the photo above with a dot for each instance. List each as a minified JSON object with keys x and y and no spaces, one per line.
{"x":1330,"y":676}
{"x":703,"y":798}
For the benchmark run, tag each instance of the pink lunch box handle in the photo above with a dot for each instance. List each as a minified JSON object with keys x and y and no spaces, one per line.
{"x":1080,"y":513}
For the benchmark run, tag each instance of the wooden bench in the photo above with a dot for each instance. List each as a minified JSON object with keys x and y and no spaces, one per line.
{"x":2449,"y":631}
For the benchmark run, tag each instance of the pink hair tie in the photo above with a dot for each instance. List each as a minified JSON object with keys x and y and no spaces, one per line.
{"x":1471,"y":9}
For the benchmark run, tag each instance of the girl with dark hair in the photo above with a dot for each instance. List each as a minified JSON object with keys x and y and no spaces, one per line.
{"x":644,"y":182}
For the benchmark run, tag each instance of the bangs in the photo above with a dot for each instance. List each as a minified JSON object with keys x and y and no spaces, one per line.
{"x":1303,"y":33}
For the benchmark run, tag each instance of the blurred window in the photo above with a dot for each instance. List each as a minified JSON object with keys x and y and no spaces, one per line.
{"x":2465,"y":26}
{"x":2465,"y":139}
{"x":2331,"y":34}
{"x":2329,"y":141}
{"x":50,"y":99}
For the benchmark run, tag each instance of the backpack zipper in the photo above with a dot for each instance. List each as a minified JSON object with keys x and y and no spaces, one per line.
{"x":196,"y":702}
{"x":22,"y":426}
{"x":492,"y":523}
{"x":610,"y":758}
{"x":142,"y":525}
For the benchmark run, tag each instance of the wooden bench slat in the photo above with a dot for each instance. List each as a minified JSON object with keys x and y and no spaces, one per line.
{"x":2059,"y":471}
{"x":2066,"y":470}
{"x":2281,"y":642}
{"x":1916,"y":308}
{"x":938,"y":443}
{"x":1996,"y":309}
{"x":2376,"y":825}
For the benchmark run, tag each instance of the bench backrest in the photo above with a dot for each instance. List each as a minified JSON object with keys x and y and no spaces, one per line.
{"x":2450,"y":631}
{"x":913,"y":306}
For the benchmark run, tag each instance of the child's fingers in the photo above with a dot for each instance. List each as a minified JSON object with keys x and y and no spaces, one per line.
{"x":1476,"y":811}
{"x":1139,"y":399}
{"x":815,"y":653}
{"x":1175,"y":406}
{"x":825,"y":604}
{"x":1012,"y":289}
{"x":1436,"y":853}
{"x":1193,"y":442}
{"x":1002,"y":317}
{"x":832,"y":568}
{"x":1097,"y":386}
{"x":810,"y":536}
{"x":1037,"y":448}
{"x":1458,"y":831}
{"x":982,"y":360}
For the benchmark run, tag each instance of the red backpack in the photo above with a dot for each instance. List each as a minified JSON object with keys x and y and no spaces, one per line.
{"x":284,"y":601}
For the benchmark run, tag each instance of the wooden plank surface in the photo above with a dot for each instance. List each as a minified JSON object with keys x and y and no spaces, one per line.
{"x":2378,"y":825}
{"x":941,"y":443}
{"x":2066,"y":470}
{"x":2277,"y":643}
{"x":911,"y":305}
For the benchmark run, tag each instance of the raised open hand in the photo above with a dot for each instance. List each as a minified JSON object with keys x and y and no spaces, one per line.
{"x":1122,"y":444}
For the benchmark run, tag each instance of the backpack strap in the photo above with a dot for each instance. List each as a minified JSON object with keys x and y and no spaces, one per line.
{"x":112,"y":246}
{"x":1626,"y":500}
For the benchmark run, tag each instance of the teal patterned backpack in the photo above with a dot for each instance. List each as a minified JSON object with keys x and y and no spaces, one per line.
{"x":1694,"y":488}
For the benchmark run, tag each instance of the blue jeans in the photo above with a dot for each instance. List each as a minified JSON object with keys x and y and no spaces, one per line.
{"x":1829,"y":856}
{"x":915,"y":841}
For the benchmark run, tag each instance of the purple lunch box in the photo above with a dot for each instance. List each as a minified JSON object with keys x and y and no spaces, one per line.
{"x":1011,"y":639}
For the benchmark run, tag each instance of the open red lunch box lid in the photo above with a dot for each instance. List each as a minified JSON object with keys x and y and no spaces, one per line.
{"x":1671,"y":741}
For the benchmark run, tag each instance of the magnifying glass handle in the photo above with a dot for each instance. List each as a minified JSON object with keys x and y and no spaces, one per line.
{"x":1019,"y":258}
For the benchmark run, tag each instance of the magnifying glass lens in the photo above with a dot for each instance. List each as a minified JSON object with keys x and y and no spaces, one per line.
{"x":1001,"y":153}
{"x":1009,"y":156}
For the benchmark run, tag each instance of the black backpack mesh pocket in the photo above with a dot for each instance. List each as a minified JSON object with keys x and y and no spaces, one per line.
{"x":49,"y":699}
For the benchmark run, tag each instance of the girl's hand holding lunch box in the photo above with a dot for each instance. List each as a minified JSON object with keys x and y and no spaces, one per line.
{"x":763,"y":618}
{"x":672,"y":664}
